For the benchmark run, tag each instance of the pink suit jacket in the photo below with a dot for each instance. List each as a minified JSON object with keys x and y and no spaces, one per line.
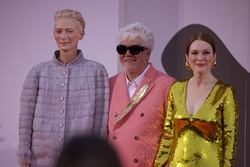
{"x":136,"y":136}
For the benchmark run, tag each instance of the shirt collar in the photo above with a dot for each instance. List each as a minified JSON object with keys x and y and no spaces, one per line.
{"x":138,"y":79}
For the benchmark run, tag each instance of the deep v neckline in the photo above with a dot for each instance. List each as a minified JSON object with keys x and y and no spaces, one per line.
{"x":208,"y":96}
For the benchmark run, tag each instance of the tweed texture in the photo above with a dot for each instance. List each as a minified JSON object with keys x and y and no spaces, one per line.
{"x":59,"y":101}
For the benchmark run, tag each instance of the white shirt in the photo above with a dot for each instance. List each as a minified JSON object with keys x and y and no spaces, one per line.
{"x":134,"y":84}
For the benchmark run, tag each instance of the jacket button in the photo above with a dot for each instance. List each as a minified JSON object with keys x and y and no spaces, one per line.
{"x":135,"y":160}
{"x":114,"y":137}
{"x":142,"y":114}
{"x":136,"y":137}
{"x":115,"y":114}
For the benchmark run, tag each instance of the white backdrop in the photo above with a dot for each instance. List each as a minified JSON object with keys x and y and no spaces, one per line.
{"x":26,"y":39}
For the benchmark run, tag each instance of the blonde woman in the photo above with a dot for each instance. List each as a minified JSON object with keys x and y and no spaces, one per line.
{"x":62,"y":98}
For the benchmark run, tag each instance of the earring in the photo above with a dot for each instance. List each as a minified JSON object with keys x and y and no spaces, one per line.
{"x":214,"y":64}
{"x":188,"y":65}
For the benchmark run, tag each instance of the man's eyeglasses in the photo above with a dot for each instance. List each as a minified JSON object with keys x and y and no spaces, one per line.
{"x":134,"y":49}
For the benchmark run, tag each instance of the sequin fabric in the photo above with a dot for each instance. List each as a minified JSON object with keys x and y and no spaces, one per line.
{"x":204,"y":140}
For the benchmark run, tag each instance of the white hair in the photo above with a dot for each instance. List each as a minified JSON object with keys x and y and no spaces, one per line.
{"x":137,"y":31}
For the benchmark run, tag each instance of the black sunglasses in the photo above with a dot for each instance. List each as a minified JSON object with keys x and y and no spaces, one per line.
{"x":134,"y":49}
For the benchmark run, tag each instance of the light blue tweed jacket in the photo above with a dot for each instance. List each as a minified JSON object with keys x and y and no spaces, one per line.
{"x":59,"y":101}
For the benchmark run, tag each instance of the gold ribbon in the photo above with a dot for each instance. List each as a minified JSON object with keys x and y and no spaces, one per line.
{"x":134,"y":101}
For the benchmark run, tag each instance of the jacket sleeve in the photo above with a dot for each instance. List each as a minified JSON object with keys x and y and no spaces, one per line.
{"x":27,"y":108}
{"x":102,"y":103}
{"x":166,"y":140}
{"x":230,"y":115}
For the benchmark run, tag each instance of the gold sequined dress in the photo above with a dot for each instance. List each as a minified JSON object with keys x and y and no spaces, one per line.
{"x":208,"y":139}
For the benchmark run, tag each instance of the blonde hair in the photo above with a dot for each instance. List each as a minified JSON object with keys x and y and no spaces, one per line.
{"x":71,"y":14}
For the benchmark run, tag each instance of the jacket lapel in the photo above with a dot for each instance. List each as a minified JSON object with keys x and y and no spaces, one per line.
{"x":124,"y":100}
{"x":121,"y":90}
{"x":149,"y":76}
